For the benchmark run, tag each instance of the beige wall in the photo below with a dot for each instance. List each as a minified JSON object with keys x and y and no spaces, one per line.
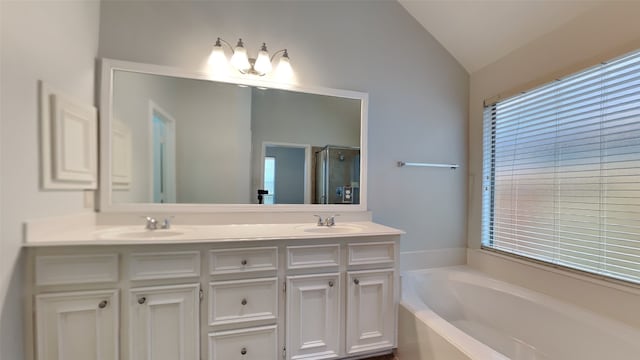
{"x":599,"y":34}
{"x":56,"y":42}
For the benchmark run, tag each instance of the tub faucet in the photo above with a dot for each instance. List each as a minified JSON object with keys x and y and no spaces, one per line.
{"x":320,"y":221}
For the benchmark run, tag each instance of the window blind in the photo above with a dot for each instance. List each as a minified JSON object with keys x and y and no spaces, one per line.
{"x":561,"y":171}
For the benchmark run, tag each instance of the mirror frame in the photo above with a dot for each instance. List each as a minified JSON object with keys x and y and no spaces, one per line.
{"x":107,"y":69}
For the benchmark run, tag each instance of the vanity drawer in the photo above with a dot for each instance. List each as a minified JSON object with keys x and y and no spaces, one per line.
{"x":313,"y":256}
{"x":247,"y":344}
{"x":76,"y":269}
{"x":232,"y":261}
{"x":241,"y":301}
{"x":371,"y":253}
{"x":164,"y":265}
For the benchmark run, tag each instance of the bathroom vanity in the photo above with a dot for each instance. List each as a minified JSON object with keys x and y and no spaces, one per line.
{"x":255,"y":282}
{"x":218,"y":292}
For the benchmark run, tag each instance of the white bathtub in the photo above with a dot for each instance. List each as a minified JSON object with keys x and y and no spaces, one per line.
{"x":458,"y":313}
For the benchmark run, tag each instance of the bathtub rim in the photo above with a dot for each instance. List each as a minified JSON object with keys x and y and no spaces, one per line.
{"x":465,"y":343}
{"x":474,"y":348}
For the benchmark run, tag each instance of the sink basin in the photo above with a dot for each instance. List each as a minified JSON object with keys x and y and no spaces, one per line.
{"x":140,"y":233}
{"x":336,"y":229}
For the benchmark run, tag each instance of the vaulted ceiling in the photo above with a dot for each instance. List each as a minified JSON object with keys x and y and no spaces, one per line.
{"x":479,"y":32}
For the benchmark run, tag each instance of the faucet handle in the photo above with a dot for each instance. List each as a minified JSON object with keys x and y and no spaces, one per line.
{"x":166,"y":223}
{"x":320,"y":221}
{"x":331,"y":220}
{"x":152,"y":223}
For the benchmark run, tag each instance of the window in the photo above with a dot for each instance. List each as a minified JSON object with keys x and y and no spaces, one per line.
{"x":561,"y":181}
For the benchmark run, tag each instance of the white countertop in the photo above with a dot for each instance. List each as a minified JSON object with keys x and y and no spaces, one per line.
{"x":183,"y":234}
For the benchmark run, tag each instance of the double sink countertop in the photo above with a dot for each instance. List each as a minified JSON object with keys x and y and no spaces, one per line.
{"x":182,"y":234}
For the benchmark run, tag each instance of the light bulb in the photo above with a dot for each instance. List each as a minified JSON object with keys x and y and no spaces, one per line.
{"x":240,"y":60}
{"x":284,"y":70}
{"x":263,"y":63}
{"x":217,"y":59}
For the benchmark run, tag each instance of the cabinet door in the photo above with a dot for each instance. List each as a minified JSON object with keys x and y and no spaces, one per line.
{"x":313,"y":316}
{"x":370,"y":311}
{"x":77,"y":326}
{"x":164,"y":323}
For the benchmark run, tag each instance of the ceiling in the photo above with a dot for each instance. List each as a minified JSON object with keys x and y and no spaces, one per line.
{"x":479,"y":32}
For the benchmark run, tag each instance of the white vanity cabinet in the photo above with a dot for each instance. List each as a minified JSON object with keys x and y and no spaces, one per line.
{"x":77,"y":325}
{"x":370,"y":310}
{"x":291,"y":299}
{"x":164,"y":322}
{"x":313,"y":316}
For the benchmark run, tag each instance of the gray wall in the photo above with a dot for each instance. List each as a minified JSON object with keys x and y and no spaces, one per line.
{"x":417,"y":91}
{"x":214,"y":146}
{"x":213,"y":136}
{"x":56,"y":42}
{"x":290,"y":162}
{"x":303,"y":119}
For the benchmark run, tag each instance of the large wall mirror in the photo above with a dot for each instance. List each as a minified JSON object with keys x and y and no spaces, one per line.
{"x":174,"y":140}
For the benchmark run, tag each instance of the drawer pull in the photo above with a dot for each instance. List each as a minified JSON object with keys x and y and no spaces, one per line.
{"x":243,"y":351}
{"x":356,"y":281}
{"x":142,"y":300}
{"x":243,"y":262}
{"x":244,"y":302}
{"x":330,"y":283}
{"x":103,"y":304}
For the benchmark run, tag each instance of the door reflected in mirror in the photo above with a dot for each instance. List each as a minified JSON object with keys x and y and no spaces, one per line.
{"x":183,"y":140}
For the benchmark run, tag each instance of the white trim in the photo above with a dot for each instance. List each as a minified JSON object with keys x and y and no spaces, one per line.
{"x":53,"y":173}
{"x":108,"y":66}
{"x":171,"y":127}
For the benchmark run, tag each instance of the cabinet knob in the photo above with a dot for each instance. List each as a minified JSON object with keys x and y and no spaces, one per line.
{"x":243,"y":302}
{"x":142,"y":300}
{"x":103,"y":304}
{"x":243,"y":262}
{"x":243,"y":351}
{"x":330,"y":283}
{"x":356,"y":281}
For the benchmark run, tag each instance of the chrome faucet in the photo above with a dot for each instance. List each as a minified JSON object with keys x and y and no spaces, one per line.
{"x":331,"y":220}
{"x":328,"y":221}
{"x":152,"y":223}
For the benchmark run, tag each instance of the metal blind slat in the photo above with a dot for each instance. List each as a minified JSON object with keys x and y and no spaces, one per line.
{"x":561,"y":171}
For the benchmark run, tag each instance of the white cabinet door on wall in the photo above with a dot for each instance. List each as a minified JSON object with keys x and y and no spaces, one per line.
{"x":164,"y":323}
{"x":77,"y":325}
{"x":313,"y":316}
{"x":370,"y":310}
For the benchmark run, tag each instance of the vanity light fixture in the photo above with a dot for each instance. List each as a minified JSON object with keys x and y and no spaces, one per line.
{"x":241,"y":61}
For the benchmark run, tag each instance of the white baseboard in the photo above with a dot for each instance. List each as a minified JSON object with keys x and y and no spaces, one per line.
{"x":424,"y":259}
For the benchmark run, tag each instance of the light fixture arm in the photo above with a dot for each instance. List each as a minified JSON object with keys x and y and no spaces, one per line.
{"x":221,"y":41}
{"x":284,"y":51}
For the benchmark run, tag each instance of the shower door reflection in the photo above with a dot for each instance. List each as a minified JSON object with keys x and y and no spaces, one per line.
{"x":337,"y":175}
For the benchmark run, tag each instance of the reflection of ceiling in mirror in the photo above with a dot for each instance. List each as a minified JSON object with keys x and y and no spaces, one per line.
{"x":219,"y":130}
